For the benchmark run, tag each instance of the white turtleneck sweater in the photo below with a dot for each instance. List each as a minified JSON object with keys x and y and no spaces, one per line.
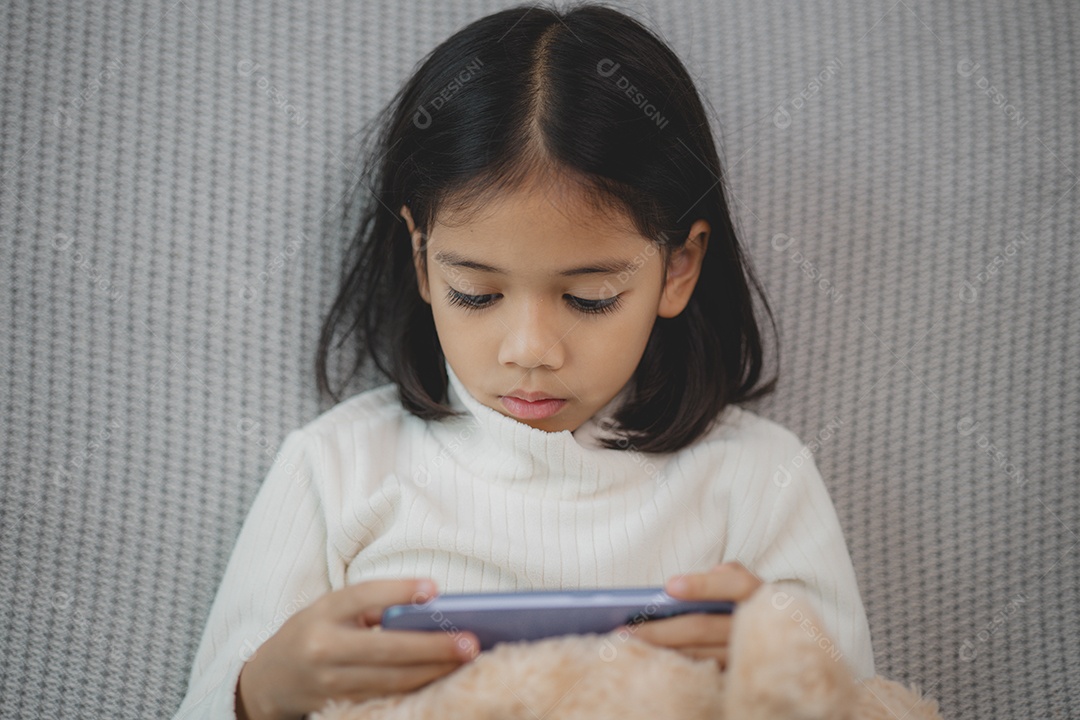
{"x":485,"y":503}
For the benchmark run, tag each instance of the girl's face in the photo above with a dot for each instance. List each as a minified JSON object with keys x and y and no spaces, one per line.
{"x":541,"y":297}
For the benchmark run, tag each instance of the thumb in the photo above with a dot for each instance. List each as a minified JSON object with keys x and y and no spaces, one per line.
{"x":364,"y":602}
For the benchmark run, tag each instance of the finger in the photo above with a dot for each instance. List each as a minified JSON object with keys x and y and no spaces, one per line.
{"x":403,"y":647}
{"x":356,"y":682}
{"x":730,"y":581}
{"x":366,"y":600}
{"x":717,"y":654}
{"x":694,"y":629}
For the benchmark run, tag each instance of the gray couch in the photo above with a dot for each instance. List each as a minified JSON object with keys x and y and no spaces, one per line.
{"x":904,"y":176}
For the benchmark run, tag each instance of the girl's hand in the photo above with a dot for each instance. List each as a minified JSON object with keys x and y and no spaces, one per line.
{"x":333,"y":649}
{"x":700,"y":635}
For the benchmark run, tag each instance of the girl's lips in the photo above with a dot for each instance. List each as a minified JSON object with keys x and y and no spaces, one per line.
{"x":531,"y":410}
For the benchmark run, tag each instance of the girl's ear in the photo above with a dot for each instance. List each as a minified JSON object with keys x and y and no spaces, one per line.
{"x":418,"y":264}
{"x":683,"y":270}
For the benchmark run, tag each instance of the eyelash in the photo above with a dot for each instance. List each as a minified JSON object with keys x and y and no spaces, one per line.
{"x":480,"y":302}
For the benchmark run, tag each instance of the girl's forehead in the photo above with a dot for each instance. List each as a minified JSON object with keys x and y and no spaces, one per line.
{"x":530,"y":221}
{"x":546,"y":196}
{"x":536,"y":218}
{"x":548,"y":225}
{"x":544,"y":245}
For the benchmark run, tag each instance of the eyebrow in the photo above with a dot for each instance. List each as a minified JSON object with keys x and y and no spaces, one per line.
{"x":600,"y":267}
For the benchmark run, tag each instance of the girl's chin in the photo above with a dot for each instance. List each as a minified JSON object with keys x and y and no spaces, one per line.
{"x":553,"y":423}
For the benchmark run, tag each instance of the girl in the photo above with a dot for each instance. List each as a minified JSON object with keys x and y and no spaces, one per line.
{"x":547,"y":270}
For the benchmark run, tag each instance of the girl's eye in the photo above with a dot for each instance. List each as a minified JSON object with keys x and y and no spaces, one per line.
{"x":611,"y":304}
{"x":479,"y":302}
{"x":469,"y":302}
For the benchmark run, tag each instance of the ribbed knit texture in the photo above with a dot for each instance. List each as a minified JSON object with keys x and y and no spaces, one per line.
{"x":484,"y":503}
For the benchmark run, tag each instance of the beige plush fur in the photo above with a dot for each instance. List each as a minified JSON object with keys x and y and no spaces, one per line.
{"x":781,"y":666}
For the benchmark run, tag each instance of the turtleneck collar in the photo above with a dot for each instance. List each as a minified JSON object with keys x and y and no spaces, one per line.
{"x":563,"y":465}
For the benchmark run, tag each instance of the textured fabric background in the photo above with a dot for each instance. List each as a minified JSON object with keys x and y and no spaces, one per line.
{"x":168,"y":247}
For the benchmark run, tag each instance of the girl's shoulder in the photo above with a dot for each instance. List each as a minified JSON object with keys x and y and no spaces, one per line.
{"x":761,"y":455}
{"x":751,"y":431}
{"x":373,"y":409}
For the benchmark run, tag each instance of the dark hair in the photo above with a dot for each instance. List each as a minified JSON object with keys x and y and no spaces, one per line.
{"x":594,"y":95}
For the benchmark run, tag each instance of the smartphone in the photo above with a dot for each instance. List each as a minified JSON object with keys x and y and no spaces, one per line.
{"x":508,"y":617}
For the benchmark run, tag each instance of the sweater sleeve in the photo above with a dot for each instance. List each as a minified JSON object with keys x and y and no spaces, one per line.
{"x":785,"y":529}
{"x":278,"y":565}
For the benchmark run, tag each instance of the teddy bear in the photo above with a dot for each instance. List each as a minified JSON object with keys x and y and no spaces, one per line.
{"x":780,"y":666}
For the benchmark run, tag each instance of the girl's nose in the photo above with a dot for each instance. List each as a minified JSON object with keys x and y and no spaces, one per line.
{"x":533,"y":336}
